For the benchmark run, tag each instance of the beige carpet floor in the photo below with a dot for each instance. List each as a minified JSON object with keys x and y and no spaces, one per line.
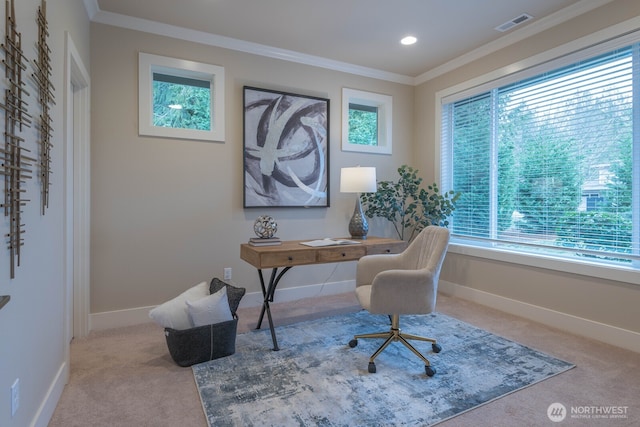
{"x":125,"y":377}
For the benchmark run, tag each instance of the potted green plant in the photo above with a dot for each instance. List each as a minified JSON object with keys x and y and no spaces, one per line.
{"x":407,"y":206}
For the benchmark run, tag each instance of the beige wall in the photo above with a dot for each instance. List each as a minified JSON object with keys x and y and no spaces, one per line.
{"x":167,"y":214}
{"x":33,"y":342}
{"x":611,"y":302}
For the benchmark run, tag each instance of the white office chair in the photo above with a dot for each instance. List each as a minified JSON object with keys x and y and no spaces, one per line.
{"x":404,"y":283}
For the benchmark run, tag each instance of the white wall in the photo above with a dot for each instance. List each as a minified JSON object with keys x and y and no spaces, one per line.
{"x":32,"y":346}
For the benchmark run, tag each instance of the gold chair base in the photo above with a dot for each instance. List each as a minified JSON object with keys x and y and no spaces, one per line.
{"x":394,"y":334}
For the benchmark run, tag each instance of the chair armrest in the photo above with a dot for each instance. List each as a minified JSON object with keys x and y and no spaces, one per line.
{"x":370,"y":265}
{"x":403,"y":292}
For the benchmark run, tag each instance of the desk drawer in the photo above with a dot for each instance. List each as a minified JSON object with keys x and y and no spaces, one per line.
{"x":341,"y":253}
{"x":270,"y":260}
{"x":390,"y":248}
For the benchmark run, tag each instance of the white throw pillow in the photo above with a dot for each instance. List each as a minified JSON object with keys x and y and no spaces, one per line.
{"x":173,"y":313}
{"x":210,"y":310}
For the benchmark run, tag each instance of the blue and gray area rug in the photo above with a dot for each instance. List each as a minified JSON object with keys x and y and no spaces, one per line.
{"x":316,"y":379}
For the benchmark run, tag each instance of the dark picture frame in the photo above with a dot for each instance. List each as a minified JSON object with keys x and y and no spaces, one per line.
{"x":286,"y":149}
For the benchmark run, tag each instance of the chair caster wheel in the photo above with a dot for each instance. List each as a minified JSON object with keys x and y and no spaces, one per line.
{"x":372,"y":368}
{"x":353,"y":343}
{"x":437,"y":348}
{"x":429,"y":371}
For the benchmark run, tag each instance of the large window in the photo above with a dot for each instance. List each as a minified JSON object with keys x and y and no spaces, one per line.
{"x":549,"y":163}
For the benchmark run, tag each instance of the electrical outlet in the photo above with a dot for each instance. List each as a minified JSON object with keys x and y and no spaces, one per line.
{"x":15,"y":396}
{"x":227,"y":273}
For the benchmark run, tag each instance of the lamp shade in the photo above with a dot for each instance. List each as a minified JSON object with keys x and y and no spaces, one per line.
{"x":358,"y":180}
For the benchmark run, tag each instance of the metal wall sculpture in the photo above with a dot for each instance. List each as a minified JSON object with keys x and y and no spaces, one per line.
{"x":16,"y":165}
{"x":42,"y":77}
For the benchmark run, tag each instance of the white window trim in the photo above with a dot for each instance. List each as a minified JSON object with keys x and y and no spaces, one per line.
{"x":618,"y":35}
{"x":384,"y":104}
{"x":147,"y":64}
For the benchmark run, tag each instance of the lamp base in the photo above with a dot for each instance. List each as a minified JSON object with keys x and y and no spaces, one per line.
{"x":358,"y":226}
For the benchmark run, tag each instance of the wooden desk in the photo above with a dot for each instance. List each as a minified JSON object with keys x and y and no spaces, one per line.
{"x":292,"y":253}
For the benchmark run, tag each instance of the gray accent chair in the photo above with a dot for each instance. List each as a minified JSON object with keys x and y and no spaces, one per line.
{"x":404,"y":283}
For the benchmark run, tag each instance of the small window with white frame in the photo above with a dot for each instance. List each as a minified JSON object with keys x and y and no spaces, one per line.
{"x":366,"y":122}
{"x":180,"y":99}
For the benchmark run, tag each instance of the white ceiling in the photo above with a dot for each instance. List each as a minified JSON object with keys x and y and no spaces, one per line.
{"x":362,"y":34}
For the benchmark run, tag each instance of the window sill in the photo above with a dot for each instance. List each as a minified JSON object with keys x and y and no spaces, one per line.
{"x":602,"y":270}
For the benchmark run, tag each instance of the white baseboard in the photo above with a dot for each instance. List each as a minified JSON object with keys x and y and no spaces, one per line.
{"x":51,"y":399}
{"x":119,"y":318}
{"x":613,"y":335}
{"x":138,"y":315}
{"x":599,"y":331}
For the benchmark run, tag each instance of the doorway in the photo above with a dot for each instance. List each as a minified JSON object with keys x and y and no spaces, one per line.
{"x":76,"y":193}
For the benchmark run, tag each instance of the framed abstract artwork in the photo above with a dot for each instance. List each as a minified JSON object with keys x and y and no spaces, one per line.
{"x":286,"y":149}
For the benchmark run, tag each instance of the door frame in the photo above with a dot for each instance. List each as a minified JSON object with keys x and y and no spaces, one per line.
{"x":77,"y":200}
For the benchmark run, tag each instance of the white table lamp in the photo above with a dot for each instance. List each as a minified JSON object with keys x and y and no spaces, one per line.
{"x":358,"y":180}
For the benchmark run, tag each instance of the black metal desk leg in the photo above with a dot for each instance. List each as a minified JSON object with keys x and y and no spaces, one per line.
{"x":268,"y":297}
{"x":264,"y":294}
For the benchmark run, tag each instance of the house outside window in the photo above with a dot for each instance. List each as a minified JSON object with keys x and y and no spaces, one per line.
{"x":549,"y":163}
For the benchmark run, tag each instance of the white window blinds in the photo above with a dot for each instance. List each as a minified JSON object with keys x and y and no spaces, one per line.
{"x":548,"y":161}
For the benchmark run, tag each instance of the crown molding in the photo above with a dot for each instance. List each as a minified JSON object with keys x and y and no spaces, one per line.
{"x":91,"y":6}
{"x":187,"y":34}
{"x":181,"y":33}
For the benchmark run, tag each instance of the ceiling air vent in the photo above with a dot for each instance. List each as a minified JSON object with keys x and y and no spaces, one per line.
{"x":514,"y":22}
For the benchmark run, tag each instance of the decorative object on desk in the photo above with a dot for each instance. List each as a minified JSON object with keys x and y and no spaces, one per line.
{"x":265,"y":227}
{"x":260,"y":241}
{"x":329,"y":242}
{"x":407,"y":206}
{"x":208,"y":342}
{"x":358,"y":180}
{"x":286,"y":149}
{"x":317,"y":379}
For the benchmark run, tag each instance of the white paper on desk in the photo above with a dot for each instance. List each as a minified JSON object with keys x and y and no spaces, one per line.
{"x":329,"y":242}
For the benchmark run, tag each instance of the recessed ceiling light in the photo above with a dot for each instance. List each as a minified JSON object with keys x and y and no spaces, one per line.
{"x":408,"y":40}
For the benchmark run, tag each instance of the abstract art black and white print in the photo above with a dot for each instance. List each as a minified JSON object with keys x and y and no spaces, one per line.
{"x":286,"y":149}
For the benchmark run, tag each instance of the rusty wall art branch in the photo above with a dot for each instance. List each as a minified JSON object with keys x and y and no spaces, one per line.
{"x":16,"y":165}
{"x":42,"y":78}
